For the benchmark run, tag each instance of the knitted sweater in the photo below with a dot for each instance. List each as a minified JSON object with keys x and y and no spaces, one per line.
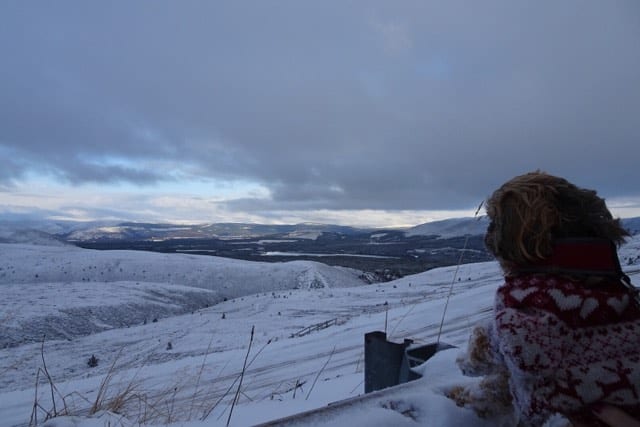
{"x":566,"y":342}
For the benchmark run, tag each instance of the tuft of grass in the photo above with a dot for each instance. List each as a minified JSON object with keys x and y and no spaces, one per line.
{"x":132,"y":399}
{"x":320,"y":373}
{"x":99,"y":402}
{"x":37,"y":406}
{"x":215,"y":405}
{"x":244,"y":369}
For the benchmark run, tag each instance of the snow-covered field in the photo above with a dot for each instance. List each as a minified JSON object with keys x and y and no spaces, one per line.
{"x":172,"y":332}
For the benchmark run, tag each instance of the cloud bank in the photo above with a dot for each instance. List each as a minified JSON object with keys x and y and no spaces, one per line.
{"x":325,"y":105}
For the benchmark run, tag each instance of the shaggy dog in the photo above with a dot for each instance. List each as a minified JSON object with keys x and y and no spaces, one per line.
{"x":566,"y":327}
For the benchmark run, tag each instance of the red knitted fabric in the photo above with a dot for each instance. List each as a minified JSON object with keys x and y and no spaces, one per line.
{"x":567,"y":345}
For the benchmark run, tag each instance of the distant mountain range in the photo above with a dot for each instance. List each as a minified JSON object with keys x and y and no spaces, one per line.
{"x":381,"y":254}
{"x":149,"y":231}
{"x":445,"y":229}
{"x":67,"y":231}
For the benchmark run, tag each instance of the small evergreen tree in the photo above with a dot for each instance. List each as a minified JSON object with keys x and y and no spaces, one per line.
{"x":93,"y":361}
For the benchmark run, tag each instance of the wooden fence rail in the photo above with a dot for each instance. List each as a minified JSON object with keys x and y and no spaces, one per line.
{"x":313,"y":328}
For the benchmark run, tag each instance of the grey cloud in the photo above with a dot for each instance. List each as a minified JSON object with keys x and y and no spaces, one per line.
{"x":412,"y":105}
{"x":10,"y":170}
{"x":98,"y":173}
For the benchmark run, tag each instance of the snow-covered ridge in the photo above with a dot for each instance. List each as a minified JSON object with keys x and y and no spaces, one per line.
{"x":230,"y":277}
{"x":29,"y":236}
{"x":456,"y":227}
{"x":451,"y":227}
{"x":65,"y":292}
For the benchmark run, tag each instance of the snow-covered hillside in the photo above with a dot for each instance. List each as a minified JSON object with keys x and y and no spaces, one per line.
{"x":451,"y":227}
{"x":455,"y":227}
{"x":186,"y":368}
{"x":66,"y":292}
{"x":29,"y":236}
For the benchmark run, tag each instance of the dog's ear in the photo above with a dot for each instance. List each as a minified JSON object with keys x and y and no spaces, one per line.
{"x":584,"y":214}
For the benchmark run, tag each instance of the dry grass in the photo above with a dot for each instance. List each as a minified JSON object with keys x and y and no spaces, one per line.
{"x":133,"y":399}
{"x":320,"y":373}
{"x":208,"y":411}
{"x":129,"y":399}
{"x":126,"y":400}
{"x":37,"y":406}
{"x":135,"y":402}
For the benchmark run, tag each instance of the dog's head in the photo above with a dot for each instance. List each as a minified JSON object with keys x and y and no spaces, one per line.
{"x":530,"y":211}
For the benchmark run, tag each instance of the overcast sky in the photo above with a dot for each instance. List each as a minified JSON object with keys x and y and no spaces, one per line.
{"x":353,"y":112}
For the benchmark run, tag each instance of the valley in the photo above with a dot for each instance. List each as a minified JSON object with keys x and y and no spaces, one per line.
{"x":381,"y":255}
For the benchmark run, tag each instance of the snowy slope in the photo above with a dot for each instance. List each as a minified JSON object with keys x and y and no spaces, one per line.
{"x":199,"y":373}
{"x":65,"y":292}
{"x":451,"y":227}
{"x":414,"y":304}
{"x":28,"y":236}
{"x":477,"y":226}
